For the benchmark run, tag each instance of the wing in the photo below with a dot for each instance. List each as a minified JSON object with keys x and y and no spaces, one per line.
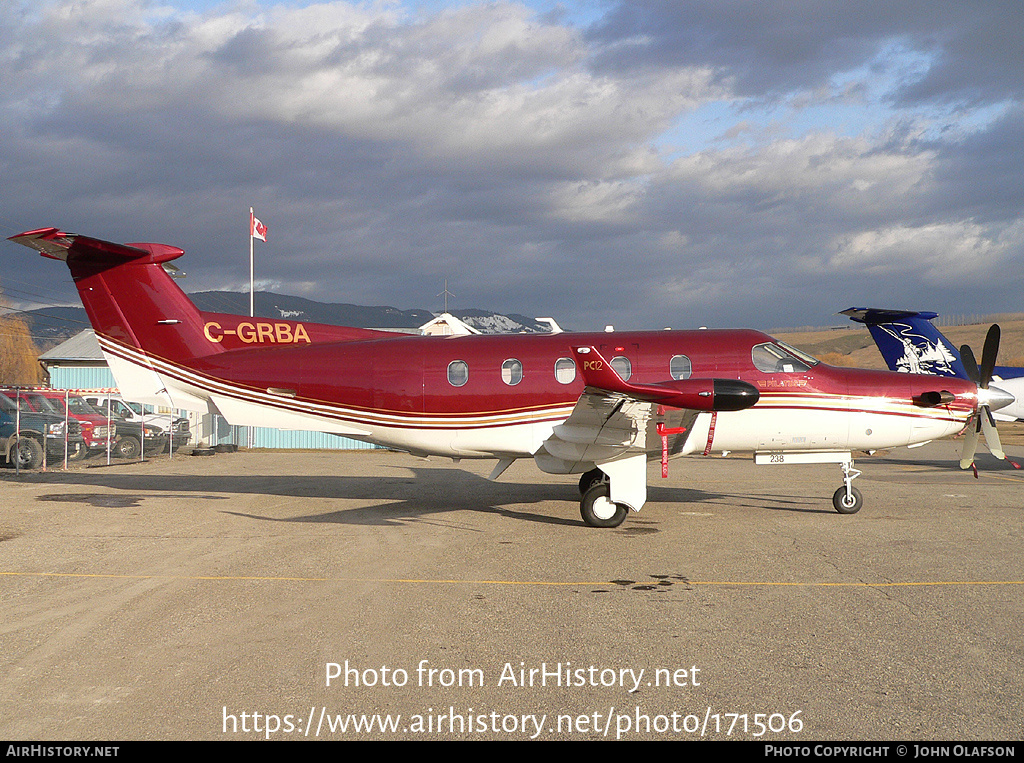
{"x":603,"y":426}
{"x":608,"y":426}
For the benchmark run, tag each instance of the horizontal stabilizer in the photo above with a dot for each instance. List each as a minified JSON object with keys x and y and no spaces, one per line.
{"x":873,"y":315}
{"x":73,"y":248}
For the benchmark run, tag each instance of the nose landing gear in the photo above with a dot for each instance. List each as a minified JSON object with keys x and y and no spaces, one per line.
{"x":847,"y":499}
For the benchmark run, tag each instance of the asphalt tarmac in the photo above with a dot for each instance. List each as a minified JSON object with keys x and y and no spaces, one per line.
{"x":369,"y":594}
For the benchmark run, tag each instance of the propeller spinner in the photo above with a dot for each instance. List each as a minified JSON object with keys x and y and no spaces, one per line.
{"x":989,"y":399}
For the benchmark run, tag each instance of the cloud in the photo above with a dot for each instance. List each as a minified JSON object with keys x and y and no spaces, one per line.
{"x":669,"y":164}
{"x":969,"y":50}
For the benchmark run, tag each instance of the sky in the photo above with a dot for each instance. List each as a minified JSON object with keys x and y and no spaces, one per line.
{"x":645,"y":164}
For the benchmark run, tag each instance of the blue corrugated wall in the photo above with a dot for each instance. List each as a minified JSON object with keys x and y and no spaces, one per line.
{"x":99,"y":377}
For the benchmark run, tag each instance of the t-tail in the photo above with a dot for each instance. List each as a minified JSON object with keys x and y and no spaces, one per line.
{"x":910,"y":342}
{"x":147,"y":326}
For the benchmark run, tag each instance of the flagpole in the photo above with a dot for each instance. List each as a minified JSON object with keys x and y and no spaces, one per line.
{"x":252,"y":312}
{"x":250,"y":439}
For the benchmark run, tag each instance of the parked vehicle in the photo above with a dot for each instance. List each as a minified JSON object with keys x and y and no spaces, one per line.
{"x":26,"y":434}
{"x":128,"y":436}
{"x":177,"y":426}
{"x":97,"y":434}
{"x":130,"y":443}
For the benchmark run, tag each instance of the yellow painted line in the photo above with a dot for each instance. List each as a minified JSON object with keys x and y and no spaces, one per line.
{"x":442,"y":581}
{"x":1008,"y":479}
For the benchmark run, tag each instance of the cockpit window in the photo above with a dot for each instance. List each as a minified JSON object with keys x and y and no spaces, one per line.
{"x":810,"y":360}
{"x":776,"y":358}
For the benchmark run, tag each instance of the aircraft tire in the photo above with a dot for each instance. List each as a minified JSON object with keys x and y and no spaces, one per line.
{"x":598,"y":511}
{"x":594,"y":477}
{"x":843,"y":505}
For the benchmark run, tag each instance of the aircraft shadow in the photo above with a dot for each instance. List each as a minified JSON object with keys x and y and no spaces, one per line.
{"x":428,"y":492}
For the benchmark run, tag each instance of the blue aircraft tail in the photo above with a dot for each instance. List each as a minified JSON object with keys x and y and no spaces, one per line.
{"x":909,"y":341}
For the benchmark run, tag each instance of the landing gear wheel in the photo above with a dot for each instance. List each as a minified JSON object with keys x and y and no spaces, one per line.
{"x":598,"y":510}
{"x":128,"y":447}
{"x":589,"y":479}
{"x":847,"y":504}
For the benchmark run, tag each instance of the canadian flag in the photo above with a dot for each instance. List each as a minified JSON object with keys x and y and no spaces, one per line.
{"x":256,"y":228}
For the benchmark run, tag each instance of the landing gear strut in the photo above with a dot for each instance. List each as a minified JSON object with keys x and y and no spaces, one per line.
{"x":613,"y":489}
{"x":847,"y":499}
{"x":589,"y":479}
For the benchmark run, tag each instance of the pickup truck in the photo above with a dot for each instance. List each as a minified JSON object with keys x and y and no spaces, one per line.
{"x":25,"y":435}
{"x":127,"y":436}
{"x":176,"y":426}
{"x":96,"y":433}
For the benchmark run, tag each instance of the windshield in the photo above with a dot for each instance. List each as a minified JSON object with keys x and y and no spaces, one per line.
{"x":777,"y":358}
{"x":44,"y":404}
{"x":8,"y":405}
{"x":808,"y":359}
{"x":78,"y":405}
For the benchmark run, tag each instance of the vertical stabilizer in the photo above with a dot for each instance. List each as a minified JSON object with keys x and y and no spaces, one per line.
{"x":145,"y":324}
{"x":909,"y":341}
{"x":129,"y":296}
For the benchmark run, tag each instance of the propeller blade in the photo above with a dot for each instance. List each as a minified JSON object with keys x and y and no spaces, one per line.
{"x":989,"y":353}
{"x":970,"y":364}
{"x":984,"y":423}
{"x":988,"y":428}
{"x":970,"y":445}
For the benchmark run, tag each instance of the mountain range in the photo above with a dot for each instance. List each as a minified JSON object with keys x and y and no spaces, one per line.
{"x":51,"y":325}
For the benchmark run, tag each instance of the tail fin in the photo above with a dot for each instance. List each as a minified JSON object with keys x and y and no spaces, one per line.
{"x":128,"y":295}
{"x":909,"y":341}
{"x":148,"y":328}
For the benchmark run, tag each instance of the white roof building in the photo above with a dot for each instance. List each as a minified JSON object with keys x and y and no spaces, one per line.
{"x":446,"y":324}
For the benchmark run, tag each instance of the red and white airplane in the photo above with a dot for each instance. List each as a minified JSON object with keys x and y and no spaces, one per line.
{"x":600,"y":405}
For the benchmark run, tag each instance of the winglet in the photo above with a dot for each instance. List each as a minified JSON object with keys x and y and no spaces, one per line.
{"x":692,"y":394}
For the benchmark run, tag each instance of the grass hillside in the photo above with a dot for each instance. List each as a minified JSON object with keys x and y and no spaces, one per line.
{"x":854,"y":347}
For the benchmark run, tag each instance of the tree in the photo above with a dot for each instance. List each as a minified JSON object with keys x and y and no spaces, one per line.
{"x":19,"y":364}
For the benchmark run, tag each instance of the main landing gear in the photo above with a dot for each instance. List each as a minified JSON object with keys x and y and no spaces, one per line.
{"x":596,"y":508}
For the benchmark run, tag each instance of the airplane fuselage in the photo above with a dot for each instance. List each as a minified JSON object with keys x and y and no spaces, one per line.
{"x":598,"y":404}
{"x":501,"y":396}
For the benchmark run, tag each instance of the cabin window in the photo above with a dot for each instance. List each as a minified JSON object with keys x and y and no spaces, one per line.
{"x":679,"y":367}
{"x":458,"y":373}
{"x":621,"y":365}
{"x":565,"y":370}
{"x":511,"y":372}
{"x":774,"y":359}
